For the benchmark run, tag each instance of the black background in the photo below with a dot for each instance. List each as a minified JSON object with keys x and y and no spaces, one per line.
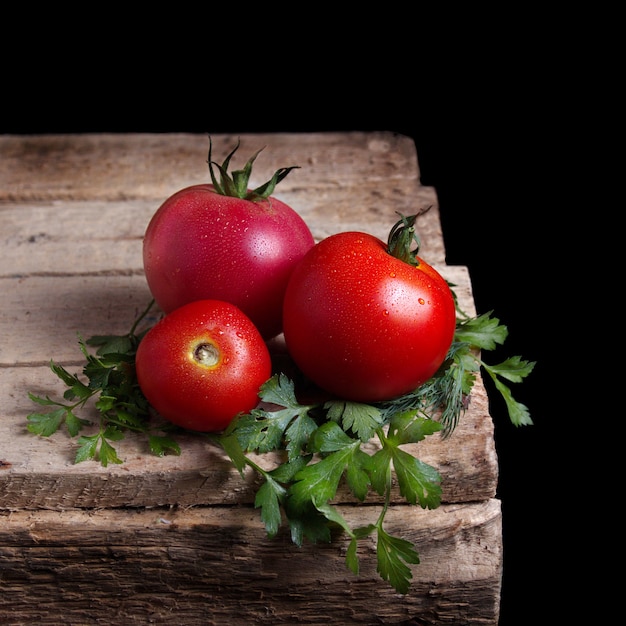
{"x":481,"y":141}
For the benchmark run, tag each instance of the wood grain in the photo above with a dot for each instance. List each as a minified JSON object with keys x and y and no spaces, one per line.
{"x":40,"y":473}
{"x":216,"y":565}
{"x":348,"y":181}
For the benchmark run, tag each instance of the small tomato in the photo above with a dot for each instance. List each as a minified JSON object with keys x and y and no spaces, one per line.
{"x":367,"y":321}
{"x":202,"y":364}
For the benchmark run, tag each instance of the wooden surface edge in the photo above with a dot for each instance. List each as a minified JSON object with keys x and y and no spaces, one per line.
{"x":39,"y":472}
{"x":209,"y":565}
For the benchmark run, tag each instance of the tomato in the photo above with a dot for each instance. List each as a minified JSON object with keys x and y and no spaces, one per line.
{"x":363,"y":324}
{"x":223,"y":241}
{"x":202,"y":364}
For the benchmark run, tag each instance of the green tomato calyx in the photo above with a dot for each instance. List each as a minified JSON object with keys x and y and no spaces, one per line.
{"x":402,"y":237}
{"x":236,"y":184}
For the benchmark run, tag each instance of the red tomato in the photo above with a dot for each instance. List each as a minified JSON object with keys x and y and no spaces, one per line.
{"x":205,"y":242}
{"x":363,"y":324}
{"x":202,"y":364}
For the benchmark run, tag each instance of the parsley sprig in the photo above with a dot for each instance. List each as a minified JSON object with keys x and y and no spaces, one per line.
{"x":323,"y":445}
{"x":109,"y":382}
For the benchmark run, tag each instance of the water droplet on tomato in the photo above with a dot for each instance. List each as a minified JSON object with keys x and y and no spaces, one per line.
{"x":421,"y":300}
{"x":385,"y":312}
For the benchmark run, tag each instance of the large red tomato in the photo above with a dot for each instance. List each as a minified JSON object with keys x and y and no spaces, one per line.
{"x":364,"y":325}
{"x":202,"y":364}
{"x":223,"y":241}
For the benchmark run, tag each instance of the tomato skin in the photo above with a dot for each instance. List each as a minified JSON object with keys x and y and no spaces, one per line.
{"x":364,"y":325}
{"x":200,"y":244}
{"x":193,"y":395}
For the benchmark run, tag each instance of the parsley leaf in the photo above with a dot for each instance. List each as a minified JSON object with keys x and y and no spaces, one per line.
{"x":418,"y":482}
{"x":160,"y":445}
{"x":393,"y":553}
{"x":482,"y":331}
{"x":269,"y":498}
{"x":108,"y":383}
{"x":98,"y":447}
{"x":45,"y":424}
{"x":262,"y":431}
{"x":363,"y":419}
{"x":317,"y":483}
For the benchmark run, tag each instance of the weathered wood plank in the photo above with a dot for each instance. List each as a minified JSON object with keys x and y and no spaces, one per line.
{"x":41,"y":315}
{"x":216,"y":565}
{"x":39,"y":473}
{"x":106,"y":187}
{"x":81,"y":237}
{"x":130,"y":166}
{"x":70,"y":189}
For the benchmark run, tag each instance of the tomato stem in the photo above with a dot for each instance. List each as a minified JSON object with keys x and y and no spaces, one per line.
{"x":401,"y":238}
{"x":236,"y":184}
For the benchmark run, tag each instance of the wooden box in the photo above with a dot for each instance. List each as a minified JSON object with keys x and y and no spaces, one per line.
{"x":177,"y":539}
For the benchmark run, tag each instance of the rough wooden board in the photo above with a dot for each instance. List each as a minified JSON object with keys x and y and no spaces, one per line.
{"x":216,"y":565}
{"x":41,"y":317}
{"x":40,"y":321}
{"x":40,"y":473}
{"x":96,"y":236}
{"x":130,"y":166}
{"x":63,"y":192}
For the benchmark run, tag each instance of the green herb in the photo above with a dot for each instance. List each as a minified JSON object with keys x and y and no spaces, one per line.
{"x":323,"y":444}
{"x":112,"y":387}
